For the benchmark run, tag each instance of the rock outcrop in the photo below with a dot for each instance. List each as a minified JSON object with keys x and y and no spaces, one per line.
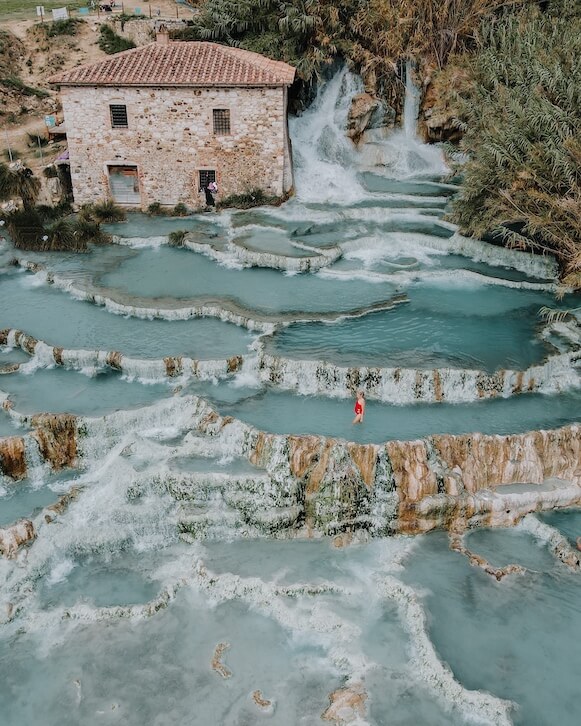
{"x":13,"y":537}
{"x":557,"y":543}
{"x":559,"y":372}
{"x":264,"y":704}
{"x":347,"y":705}
{"x":446,"y":481}
{"x":12,"y":457}
{"x":56,"y":435}
{"x":62,"y":504}
{"x":315,"y":485}
{"x":450,"y":481}
{"x":457,"y":545}
{"x":367,"y":112}
{"x":439,"y":110}
{"x":217,"y":664}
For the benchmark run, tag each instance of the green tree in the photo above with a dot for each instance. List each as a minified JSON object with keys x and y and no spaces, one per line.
{"x":17,"y":180}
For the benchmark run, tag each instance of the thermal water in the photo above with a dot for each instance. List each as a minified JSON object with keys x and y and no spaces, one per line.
{"x":169,"y":578}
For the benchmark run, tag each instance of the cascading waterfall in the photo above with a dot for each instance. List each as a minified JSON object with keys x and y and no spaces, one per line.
{"x":323,"y":155}
{"x":411,"y":106}
{"x":400,"y":153}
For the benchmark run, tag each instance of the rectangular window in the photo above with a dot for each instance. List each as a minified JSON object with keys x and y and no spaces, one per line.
{"x":118,"y":116}
{"x":221,"y":121}
{"x":206,"y":177}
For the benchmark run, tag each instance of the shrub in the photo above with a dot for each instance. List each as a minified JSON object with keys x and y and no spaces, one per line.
{"x":107,"y":211}
{"x":87,"y":230}
{"x":62,"y":27}
{"x":180,"y":210}
{"x":176,"y":239}
{"x":33,"y":140}
{"x":155,"y":209}
{"x":14,"y":152}
{"x":86,"y":212}
{"x":17,"y":180}
{"x":112,"y":43}
{"x":61,"y":236}
{"x":52,"y":213}
{"x":26,"y":229}
{"x":15,"y":83}
{"x":50,"y":172}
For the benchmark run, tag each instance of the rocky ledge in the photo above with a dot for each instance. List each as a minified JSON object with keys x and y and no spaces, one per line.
{"x":314,"y":485}
{"x":559,"y":372}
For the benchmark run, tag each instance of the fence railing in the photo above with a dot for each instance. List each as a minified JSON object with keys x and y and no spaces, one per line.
{"x":104,"y":9}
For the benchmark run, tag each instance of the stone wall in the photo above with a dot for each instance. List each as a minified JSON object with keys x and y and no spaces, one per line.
{"x":142,"y":30}
{"x":170,"y":138}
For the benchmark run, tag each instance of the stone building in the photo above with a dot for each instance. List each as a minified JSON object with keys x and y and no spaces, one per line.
{"x":157,"y":123}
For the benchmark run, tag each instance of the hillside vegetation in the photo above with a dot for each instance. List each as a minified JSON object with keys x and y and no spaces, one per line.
{"x":372,"y":34}
{"x":522,"y":132}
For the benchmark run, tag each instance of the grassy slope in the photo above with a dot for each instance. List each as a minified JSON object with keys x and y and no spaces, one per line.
{"x":26,"y":9}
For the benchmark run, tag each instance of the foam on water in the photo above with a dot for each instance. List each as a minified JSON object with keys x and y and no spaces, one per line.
{"x":322,"y":153}
{"x":401,"y":154}
{"x":41,"y":312}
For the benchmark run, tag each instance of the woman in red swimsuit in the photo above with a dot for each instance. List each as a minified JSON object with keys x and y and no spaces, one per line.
{"x":359,"y":407}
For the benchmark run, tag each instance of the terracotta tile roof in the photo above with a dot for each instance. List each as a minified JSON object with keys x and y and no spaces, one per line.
{"x":180,"y":63}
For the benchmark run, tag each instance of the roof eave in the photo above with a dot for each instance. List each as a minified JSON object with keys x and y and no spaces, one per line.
{"x":92,"y":84}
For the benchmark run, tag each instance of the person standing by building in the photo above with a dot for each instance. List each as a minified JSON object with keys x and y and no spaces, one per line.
{"x":209,"y":197}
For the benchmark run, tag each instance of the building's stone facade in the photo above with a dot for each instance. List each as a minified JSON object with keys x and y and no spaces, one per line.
{"x":170,"y":138}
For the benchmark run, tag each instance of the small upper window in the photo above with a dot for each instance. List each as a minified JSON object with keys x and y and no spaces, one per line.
{"x":118,"y":116}
{"x":221,"y":121}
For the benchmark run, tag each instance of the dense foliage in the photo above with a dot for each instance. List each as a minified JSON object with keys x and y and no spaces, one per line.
{"x":373,"y":34}
{"x":26,"y":228}
{"x":50,"y":228}
{"x":110,"y":42}
{"x":176,"y":238}
{"x":522,"y":124}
